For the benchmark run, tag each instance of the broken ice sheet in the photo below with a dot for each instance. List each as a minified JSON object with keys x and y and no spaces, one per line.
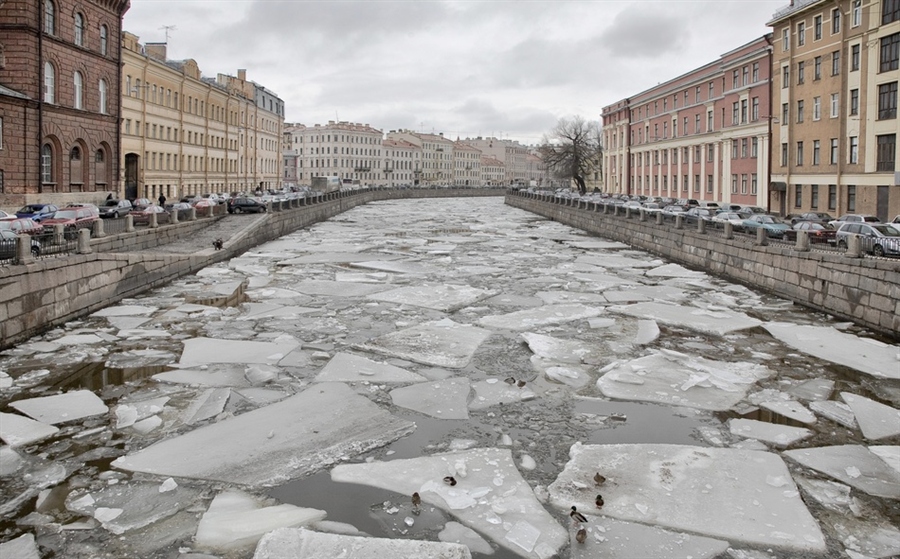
{"x":61,"y":408}
{"x":813,"y":389}
{"x":256,"y":311}
{"x":209,"y":403}
{"x":488,"y":486}
{"x":790,"y":409}
{"x":862,"y":354}
{"x":298,"y":543}
{"x":125,"y":310}
{"x":140,"y":504}
{"x":442,"y":343}
{"x":225,"y":376}
{"x":571,"y":375}
{"x":674,"y":271}
{"x":347,"y":367}
{"x":127,"y":413}
{"x":876,"y":420}
{"x":16,"y":430}
{"x":854,"y":465}
{"x":890,"y":454}
{"x":608,"y":538}
{"x":568,"y":297}
{"x":277,"y":443}
{"x":236,"y":520}
{"x":779,"y":435}
{"x":838,"y":412}
{"x":561,"y":351}
{"x":454,"y":532}
{"x":693,"y":489}
{"x":438,"y":297}
{"x":199,"y":351}
{"x":674,"y":378}
{"x":492,"y":392}
{"x":444,"y":399}
{"x":540,"y":316}
{"x":711,"y":321}
{"x":23,"y":547}
{"x":338,"y":288}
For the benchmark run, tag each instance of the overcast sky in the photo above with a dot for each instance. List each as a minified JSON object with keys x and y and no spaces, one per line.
{"x":504,"y":68}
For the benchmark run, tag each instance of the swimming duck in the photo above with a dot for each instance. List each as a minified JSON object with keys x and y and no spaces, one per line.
{"x":577,"y":516}
{"x":450,"y":480}
{"x":581,"y":535}
{"x":510,"y":380}
{"x":416,"y":501}
{"x":520,"y":384}
{"x":599,"y":501}
{"x":599,"y":479}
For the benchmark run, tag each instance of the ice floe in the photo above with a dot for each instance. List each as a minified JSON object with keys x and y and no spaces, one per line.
{"x":200,"y":351}
{"x":715,"y":492}
{"x":347,"y":367}
{"x":23,"y":547}
{"x":492,"y":392}
{"x":876,"y":420}
{"x":16,"y":430}
{"x":444,"y":399}
{"x":442,"y":343}
{"x":297,"y":543}
{"x":718,"y":321}
{"x":838,"y":412}
{"x":854,"y":465}
{"x":61,"y":408}
{"x":790,"y":409}
{"x":438,"y":297}
{"x":454,"y":532}
{"x":608,"y":538}
{"x":540,"y":316}
{"x":129,"y":506}
{"x":560,"y":351}
{"x":779,"y":435}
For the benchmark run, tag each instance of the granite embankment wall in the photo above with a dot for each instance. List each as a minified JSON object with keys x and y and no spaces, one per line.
{"x":39,"y":295}
{"x":865,"y":291}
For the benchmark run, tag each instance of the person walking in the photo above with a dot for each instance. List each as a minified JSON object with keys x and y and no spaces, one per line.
{"x":162,"y":201}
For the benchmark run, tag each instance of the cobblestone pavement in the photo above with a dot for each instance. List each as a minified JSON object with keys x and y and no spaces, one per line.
{"x":223,"y":228}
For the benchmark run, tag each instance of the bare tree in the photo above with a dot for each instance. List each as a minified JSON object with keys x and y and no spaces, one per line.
{"x":572,"y":150}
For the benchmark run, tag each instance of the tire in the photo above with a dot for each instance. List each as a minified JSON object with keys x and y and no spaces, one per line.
{"x":842,"y":244}
{"x":878,"y":250}
{"x":237,"y":210}
{"x":35,"y":251}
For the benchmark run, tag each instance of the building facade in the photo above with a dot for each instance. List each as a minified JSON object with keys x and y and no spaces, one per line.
{"x":703,"y":135}
{"x":511,"y":153}
{"x":493,"y":172}
{"x":402,"y":163}
{"x":59,"y":100}
{"x":466,"y":165}
{"x":186,"y":135}
{"x":836,"y":67}
{"x":351,"y":151}
{"x":437,"y":155}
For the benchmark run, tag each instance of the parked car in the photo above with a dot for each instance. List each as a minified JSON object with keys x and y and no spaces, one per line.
{"x":853,"y":218}
{"x":748,"y":211}
{"x":21,"y":226}
{"x":731,"y":217}
{"x":204,"y":204}
{"x":6,"y":214}
{"x":818,"y":217}
{"x":115,"y":208}
{"x":141,"y":203}
{"x":880,"y":239}
{"x":142,"y":216}
{"x":673,"y":210}
{"x":696,"y":212}
{"x":178,"y":206}
{"x":818,"y":232}
{"x":242,"y":205}
{"x":896,"y":219}
{"x":74,"y":217}
{"x":774,"y":227}
{"x":8,"y":243}
{"x":37,"y":212}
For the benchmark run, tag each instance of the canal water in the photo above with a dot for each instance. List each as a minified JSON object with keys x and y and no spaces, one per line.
{"x":557,"y":338}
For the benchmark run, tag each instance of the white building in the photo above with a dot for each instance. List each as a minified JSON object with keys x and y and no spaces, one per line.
{"x":437,"y":155}
{"x":466,"y":165}
{"x":402,"y":162}
{"x":352,"y":152}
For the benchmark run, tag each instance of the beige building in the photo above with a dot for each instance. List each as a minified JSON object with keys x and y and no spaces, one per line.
{"x":493,"y":171}
{"x":184,"y":135}
{"x":835,"y":95}
{"x":437,"y":155}
{"x":402,"y":163}
{"x":511,"y":153}
{"x":351,"y":151}
{"x":466,"y":165}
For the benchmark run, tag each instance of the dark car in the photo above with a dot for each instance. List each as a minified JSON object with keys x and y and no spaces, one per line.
{"x":8,"y":243}
{"x":818,"y":232}
{"x":818,"y":217}
{"x":242,"y":205}
{"x":697,"y":213}
{"x":37,"y":212}
{"x":115,"y":208}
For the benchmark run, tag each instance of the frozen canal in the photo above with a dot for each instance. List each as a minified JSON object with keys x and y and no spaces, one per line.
{"x":496,"y":368}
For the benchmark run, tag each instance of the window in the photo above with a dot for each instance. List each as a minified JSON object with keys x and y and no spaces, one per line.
{"x":854,"y":58}
{"x":103,"y":102}
{"x":800,"y":111}
{"x":801,"y":33}
{"x":834,"y":151}
{"x":817,"y":108}
{"x":785,"y":113}
{"x":79,"y":30}
{"x":709,"y":183}
{"x":712,"y":90}
{"x":832,"y":197}
{"x":835,"y":63}
{"x":854,"y":101}
{"x":49,"y":83}
{"x":78,"y":82}
{"x":697,"y":124}
{"x":835,"y":104}
{"x":817,"y":28}
{"x":786,"y":39}
{"x":734,"y":149}
{"x":743,"y":110}
{"x":798,"y":195}
{"x":754,"y":184}
{"x":851,"y":198}
{"x":104,"y":40}
{"x":887,"y":101}
{"x":46,"y":164}
{"x":745,"y":75}
{"x":709,"y":121}
{"x":886,"y":152}
{"x":890,"y":52}
{"x":710,"y":152}
{"x":49,"y":18}
{"x":856,"y":13}
{"x":801,"y":66}
{"x":785,"y":77}
{"x":784,"y":154}
{"x":744,"y":184}
{"x":735,"y":109}
{"x":814,"y":197}
{"x":835,"y":21}
{"x":854,"y":149}
{"x":744,"y":148}
{"x":817,"y":68}
{"x":734,"y":184}
{"x":754,"y":112}
{"x":754,"y":147}
{"x":816,"y":152}
{"x":799,"y":154}
{"x":890,"y":11}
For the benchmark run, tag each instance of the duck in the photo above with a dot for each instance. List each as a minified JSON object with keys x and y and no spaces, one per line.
{"x":510,"y":380}
{"x":599,"y":501}
{"x":581,"y":535}
{"x":599,"y":479}
{"x":577,"y":516}
{"x":520,"y":384}
{"x":450,"y":480}
{"x":416,"y":501}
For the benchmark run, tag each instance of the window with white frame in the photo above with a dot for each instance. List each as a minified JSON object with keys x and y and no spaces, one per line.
{"x":104,"y":40}
{"x":835,"y":21}
{"x":79,"y":29}
{"x":835,"y":104}
{"x":854,"y":149}
{"x":817,"y":28}
{"x":854,"y":57}
{"x":856,"y":13}
{"x":46,"y":164}
{"x":78,"y":82}
{"x":816,"y":152}
{"x":801,"y":33}
{"x":817,"y":108}
{"x":786,"y":39}
{"x":49,"y":83}
{"x":49,"y":17}
{"x":103,"y":97}
{"x":833,"y":157}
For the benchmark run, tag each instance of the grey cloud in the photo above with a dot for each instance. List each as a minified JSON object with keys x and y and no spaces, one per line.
{"x":639,"y":33}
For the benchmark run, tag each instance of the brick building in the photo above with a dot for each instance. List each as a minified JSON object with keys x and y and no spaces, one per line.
{"x":59,"y":99}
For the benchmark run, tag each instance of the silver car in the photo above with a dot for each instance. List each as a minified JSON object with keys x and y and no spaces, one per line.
{"x":880,"y":239}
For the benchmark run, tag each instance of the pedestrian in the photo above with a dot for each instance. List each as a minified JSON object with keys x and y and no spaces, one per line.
{"x":109,"y":196}
{"x":162,"y":201}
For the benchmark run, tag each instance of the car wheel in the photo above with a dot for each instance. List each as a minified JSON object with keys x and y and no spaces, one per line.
{"x":878,"y":250}
{"x":35,"y":250}
{"x":237,"y":210}
{"x":842,"y":244}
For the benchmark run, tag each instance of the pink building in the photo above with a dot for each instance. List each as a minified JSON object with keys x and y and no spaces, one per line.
{"x":703,"y":135}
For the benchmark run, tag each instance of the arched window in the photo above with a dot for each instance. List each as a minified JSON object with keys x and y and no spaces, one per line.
{"x":103,"y":102}
{"x":49,"y":17}
{"x":47,"y":164}
{"x":79,"y":30}
{"x":104,"y":40}
{"x":49,"y":83}
{"x":100,"y":167}
{"x":79,"y":90}
{"x":75,"y":154}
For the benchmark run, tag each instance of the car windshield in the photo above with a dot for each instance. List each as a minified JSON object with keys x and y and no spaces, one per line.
{"x":887,"y":230}
{"x":767,"y":219}
{"x":870,"y":219}
{"x":65,"y":214}
{"x":111,"y":203}
{"x":30,"y":209}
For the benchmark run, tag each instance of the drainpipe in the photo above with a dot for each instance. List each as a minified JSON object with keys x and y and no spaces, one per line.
{"x":770,"y":39}
{"x":40,"y":128}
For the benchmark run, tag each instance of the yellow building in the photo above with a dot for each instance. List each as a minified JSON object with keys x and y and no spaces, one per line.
{"x":184,"y":135}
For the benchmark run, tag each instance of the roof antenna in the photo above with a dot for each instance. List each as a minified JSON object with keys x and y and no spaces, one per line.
{"x":168,"y":28}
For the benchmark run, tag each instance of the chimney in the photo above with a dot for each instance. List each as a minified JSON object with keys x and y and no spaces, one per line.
{"x":156,"y":51}
{"x":242,"y":74}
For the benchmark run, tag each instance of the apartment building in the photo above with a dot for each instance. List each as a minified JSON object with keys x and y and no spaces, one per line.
{"x":437,"y":155}
{"x":511,"y":153}
{"x":493,"y":171}
{"x":402,"y":163}
{"x":184,"y":135}
{"x":703,"y":135}
{"x":466,"y":165}
{"x":59,"y":91}
{"x":836,"y":66}
{"x":351,"y":151}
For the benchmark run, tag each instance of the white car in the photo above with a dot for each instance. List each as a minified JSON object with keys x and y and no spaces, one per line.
{"x":733,"y":218}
